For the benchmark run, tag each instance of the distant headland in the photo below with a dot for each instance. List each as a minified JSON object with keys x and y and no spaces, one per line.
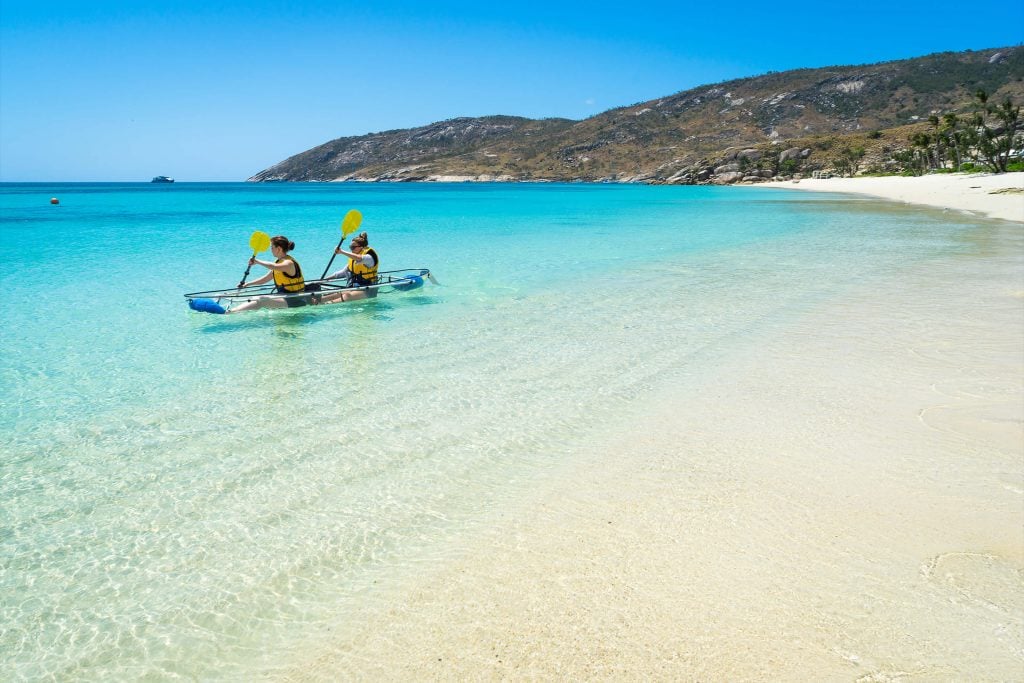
{"x":893,"y":117}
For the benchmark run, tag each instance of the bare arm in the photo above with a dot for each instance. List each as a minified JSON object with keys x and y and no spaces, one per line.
{"x":287,"y":267}
{"x":260,"y":280}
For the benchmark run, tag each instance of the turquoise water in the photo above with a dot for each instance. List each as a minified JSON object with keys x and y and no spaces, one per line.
{"x":191,"y":495}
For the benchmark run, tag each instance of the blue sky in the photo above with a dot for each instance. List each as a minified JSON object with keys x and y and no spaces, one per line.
{"x":220,"y":90}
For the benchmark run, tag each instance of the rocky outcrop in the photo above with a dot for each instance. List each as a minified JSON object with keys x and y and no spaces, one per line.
{"x":727,"y":178}
{"x":748,"y":154}
{"x":791,"y":153}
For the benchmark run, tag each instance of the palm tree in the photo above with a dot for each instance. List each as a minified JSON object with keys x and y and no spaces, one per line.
{"x":997,"y":140}
{"x":921,"y":143}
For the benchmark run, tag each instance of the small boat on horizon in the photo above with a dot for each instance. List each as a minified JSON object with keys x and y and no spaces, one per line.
{"x":162,"y":179}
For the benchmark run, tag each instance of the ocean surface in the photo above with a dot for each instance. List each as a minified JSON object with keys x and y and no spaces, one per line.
{"x":184,"y":495}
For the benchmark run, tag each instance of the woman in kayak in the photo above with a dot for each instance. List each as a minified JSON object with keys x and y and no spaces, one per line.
{"x":361,"y":271}
{"x":286,"y":274}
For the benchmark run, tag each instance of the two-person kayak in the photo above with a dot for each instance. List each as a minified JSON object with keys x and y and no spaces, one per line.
{"x":360,"y":279}
{"x":222,"y":300}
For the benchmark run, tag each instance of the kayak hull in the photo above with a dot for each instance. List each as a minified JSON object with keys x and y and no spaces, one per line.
{"x":220,"y":301}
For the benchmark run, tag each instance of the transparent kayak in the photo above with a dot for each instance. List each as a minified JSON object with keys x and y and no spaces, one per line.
{"x":221,"y":300}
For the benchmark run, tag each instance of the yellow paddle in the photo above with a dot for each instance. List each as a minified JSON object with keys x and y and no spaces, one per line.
{"x":260,"y":241}
{"x":348,"y":226}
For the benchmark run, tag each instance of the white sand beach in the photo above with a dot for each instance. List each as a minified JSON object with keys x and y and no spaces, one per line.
{"x":995,"y":196}
{"x":843,"y":499}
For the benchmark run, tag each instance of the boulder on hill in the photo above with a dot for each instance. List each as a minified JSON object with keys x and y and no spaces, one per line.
{"x":728,"y":178}
{"x":791,"y":153}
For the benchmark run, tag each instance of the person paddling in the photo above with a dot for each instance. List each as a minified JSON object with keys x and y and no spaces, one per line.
{"x":361,"y":271}
{"x":286,"y":273}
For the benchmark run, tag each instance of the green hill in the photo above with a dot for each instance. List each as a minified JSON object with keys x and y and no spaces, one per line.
{"x":712,"y":133}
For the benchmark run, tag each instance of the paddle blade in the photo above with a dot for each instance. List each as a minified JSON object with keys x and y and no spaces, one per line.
{"x":260,"y":241}
{"x":351,"y":223}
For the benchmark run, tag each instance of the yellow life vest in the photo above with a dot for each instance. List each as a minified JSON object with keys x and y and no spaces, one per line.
{"x":289,"y":284}
{"x":363,"y":275}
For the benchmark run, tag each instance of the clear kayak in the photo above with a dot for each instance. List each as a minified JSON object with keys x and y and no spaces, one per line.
{"x":222,"y":300}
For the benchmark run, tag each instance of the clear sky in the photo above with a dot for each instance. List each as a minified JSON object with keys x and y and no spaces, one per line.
{"x":219,"y":90}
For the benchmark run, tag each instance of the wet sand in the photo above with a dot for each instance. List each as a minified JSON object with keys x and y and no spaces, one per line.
{"x":842,"y":498}
{"x":994,"y":196}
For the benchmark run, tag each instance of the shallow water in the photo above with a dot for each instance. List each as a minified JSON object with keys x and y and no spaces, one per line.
{"x":194,"y":495}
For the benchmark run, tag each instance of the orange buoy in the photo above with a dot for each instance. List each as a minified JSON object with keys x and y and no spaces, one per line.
{"x":54,"y":200}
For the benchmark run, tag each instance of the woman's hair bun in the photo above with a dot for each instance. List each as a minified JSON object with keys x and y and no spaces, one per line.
{"x":282,"y":242}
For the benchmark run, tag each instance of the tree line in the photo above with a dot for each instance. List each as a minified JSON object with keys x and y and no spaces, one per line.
{"x":989,"y":136}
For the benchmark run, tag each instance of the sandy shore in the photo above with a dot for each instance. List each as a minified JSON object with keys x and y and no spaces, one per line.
{"x":840,"y":499}
{"x":995,"y":196}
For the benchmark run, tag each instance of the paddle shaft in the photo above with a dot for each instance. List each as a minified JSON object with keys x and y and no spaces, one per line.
{"x":246,"y":274}
{"x":332,"y":257}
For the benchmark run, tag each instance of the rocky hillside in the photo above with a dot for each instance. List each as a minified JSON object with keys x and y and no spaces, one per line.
{"x":708,"y":134}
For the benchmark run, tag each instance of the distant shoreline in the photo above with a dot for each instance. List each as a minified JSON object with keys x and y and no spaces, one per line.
{"x":994,"y":196}
{"x":999,"y":196}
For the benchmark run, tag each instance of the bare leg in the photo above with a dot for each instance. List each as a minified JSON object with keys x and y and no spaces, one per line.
{"x":356,"y":295}
{"x":330,"y":298}
{"x":340,"y":297}
{"x":261,"y":302}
